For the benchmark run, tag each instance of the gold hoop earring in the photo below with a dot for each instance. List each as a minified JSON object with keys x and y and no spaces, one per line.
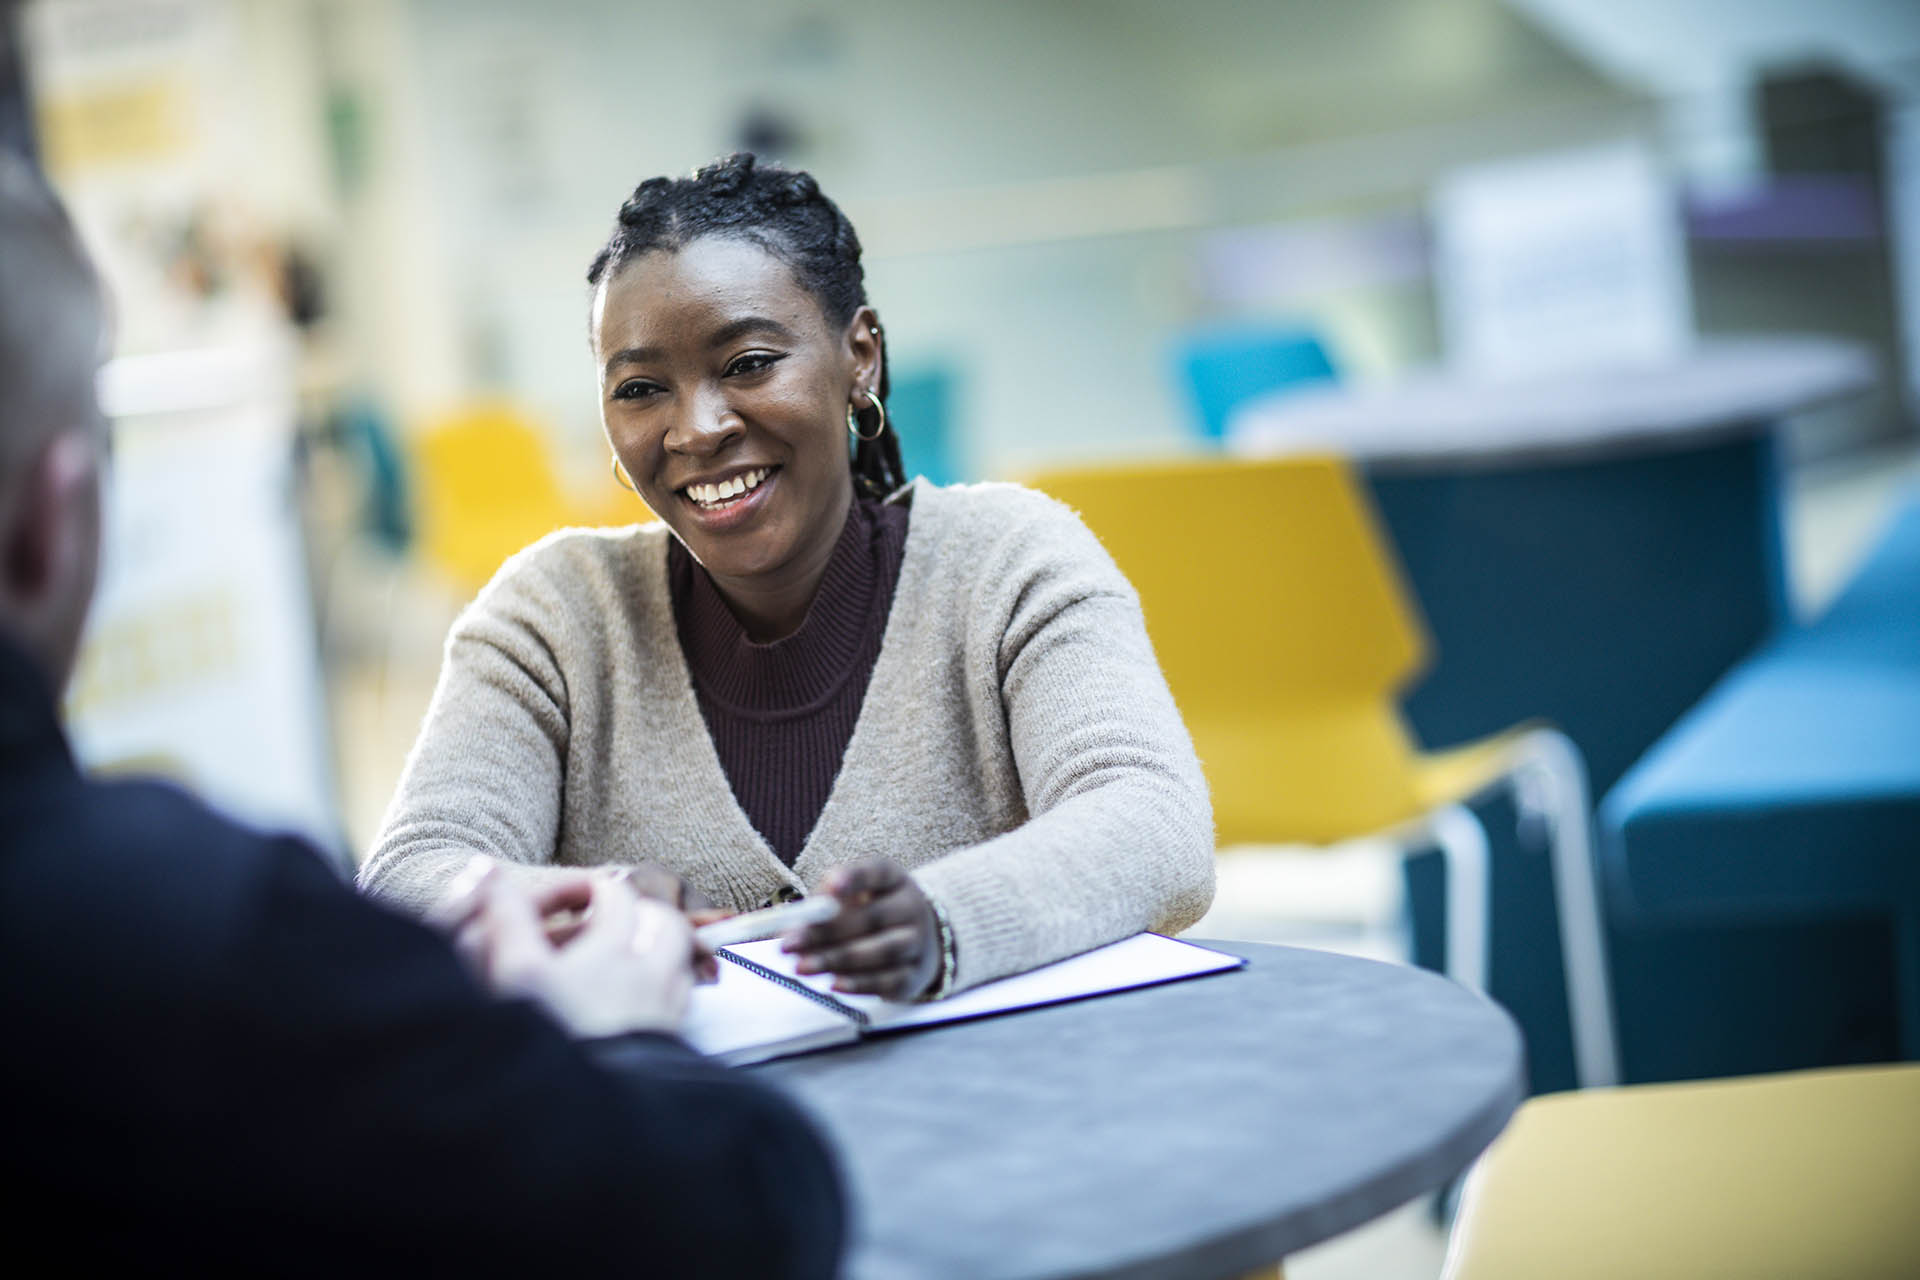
{"x":853,"y":423}
{"x":620,"y":475}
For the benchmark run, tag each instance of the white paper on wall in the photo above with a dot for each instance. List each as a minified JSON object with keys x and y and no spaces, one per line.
{"x":200,"y":662}
{"x":1570,"y":260}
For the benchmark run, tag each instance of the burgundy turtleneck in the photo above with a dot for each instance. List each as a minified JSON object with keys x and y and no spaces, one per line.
{"x":781,"y":714}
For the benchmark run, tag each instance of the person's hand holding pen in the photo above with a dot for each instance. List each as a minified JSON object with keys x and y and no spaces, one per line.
{"x":626,"y":963}
{"x":884,"y":941}
{"x":564,"y":906}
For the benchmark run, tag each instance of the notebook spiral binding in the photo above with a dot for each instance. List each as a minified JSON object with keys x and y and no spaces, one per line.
{"x":795,"y":986}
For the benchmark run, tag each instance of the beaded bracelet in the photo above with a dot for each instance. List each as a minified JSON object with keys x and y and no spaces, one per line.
{"x":949,"y":955}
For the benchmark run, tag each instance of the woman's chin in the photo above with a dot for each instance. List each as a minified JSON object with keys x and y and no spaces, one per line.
{"x":733,"y":555}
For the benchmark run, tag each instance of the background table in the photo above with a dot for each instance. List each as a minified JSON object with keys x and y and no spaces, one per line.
{"x":1597,"y":549}
{"x":1199,"y":1128}
{"x":1725,"y":387}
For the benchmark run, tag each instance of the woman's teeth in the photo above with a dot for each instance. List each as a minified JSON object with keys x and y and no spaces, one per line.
{"x":715,"y":495}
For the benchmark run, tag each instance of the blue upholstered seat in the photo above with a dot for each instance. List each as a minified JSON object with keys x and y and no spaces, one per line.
{"x":1794,"y":786}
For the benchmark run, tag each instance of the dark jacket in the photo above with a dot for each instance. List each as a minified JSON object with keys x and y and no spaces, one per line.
{"x":217,"y":1054}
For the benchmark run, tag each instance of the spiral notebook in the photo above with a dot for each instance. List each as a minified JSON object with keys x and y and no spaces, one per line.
{"x":761,"y":1009}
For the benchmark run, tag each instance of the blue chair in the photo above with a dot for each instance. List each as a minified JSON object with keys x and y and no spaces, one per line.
{"x":920,"y":408}
{"x":1792,"y":791}
{"x":1609,"y":595}
{"x":1224,"y":368}
{"x":368,"y":437}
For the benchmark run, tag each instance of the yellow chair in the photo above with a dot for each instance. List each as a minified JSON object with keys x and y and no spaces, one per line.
{"x":1284,"y":629}
{"x":486,"y":487}
{"x":1810,"y":1173}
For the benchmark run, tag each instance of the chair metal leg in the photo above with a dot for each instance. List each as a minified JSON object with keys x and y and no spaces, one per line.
{"x":1463,"y":841}
{"x":1577,"y":895}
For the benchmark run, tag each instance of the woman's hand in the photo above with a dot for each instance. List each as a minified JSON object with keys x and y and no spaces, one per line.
{"x":884,"y":942}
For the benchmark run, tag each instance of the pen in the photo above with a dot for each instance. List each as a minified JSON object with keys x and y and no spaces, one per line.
{"x":768,"y":921}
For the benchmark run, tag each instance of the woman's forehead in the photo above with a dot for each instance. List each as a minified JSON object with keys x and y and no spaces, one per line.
{"x":711,"y":282}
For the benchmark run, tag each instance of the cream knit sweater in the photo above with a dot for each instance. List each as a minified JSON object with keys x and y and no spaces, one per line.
{"x":1017,"y":750}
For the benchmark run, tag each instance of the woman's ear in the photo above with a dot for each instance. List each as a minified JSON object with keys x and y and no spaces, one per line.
{"x":866,"y":344}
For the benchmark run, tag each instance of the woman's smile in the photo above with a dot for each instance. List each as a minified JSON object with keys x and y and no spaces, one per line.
{"x":709,"y":495}
{"x":732,"y":499}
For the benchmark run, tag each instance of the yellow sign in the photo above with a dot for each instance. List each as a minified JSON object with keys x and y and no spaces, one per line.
{"x":127,"y":123}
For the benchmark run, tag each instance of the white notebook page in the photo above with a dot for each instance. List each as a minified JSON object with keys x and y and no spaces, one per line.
{"x":744,"y":1018}
{"x":1142,"y":960}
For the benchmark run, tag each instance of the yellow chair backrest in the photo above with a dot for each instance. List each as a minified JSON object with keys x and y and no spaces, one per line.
{"x":1805,"y":1173}
{"x":487,"y":487}
{"x":1286,"y":634}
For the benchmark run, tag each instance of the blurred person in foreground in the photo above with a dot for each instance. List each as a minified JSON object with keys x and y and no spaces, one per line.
{"x":936,"y":704}
{"x":218,"y":1055}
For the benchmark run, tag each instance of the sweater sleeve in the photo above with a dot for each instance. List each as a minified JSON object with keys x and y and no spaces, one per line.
{"x":485,"y":774}
{"x":1119,"y":837}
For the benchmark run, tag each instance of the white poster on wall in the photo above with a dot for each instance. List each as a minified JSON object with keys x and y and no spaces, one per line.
{"x":200,"y":663}
{"x":1571,"y":260}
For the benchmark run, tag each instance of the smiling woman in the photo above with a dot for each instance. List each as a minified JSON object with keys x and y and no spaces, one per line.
{"x":720,"y":367}
{"x":937,"y":705}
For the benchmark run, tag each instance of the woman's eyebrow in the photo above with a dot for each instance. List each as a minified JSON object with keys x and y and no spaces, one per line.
{"x":734,"y":330}
{"x":632,"y":355}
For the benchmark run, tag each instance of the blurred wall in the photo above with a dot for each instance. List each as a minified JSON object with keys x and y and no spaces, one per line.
{"x":1030,"y":179}
{"x":1733,"y":78}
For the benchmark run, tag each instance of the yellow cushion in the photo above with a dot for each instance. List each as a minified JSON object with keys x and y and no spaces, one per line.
{"x":1306,"y":773}
{"x":1806,"y":1174}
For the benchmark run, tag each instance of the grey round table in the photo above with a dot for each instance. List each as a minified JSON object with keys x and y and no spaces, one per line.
{"x":1200,"y":1128}
{"x":1434,"y":420}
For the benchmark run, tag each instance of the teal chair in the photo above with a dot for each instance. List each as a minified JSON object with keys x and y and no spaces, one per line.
{"x":920,"y":407}
{"x":1792,"y":791}
{"x":1224,"y":368}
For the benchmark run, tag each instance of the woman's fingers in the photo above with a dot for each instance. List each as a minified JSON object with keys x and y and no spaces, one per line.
{"x":864,"y":910}
{"x":888,"y":984}
{"x":851,"y":923}
{"x":898,"y":947}
{"x":868,"y":878}
{"x":883,"y":941}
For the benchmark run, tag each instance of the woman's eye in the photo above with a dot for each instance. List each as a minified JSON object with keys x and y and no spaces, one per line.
{"x":752,"y":362}
{"x":635,"y":389}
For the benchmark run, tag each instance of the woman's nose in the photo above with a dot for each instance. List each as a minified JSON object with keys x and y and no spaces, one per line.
{"x":706,"y":426}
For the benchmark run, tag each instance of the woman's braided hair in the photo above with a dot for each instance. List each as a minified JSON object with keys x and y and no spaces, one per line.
{"x":783,"y":211}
